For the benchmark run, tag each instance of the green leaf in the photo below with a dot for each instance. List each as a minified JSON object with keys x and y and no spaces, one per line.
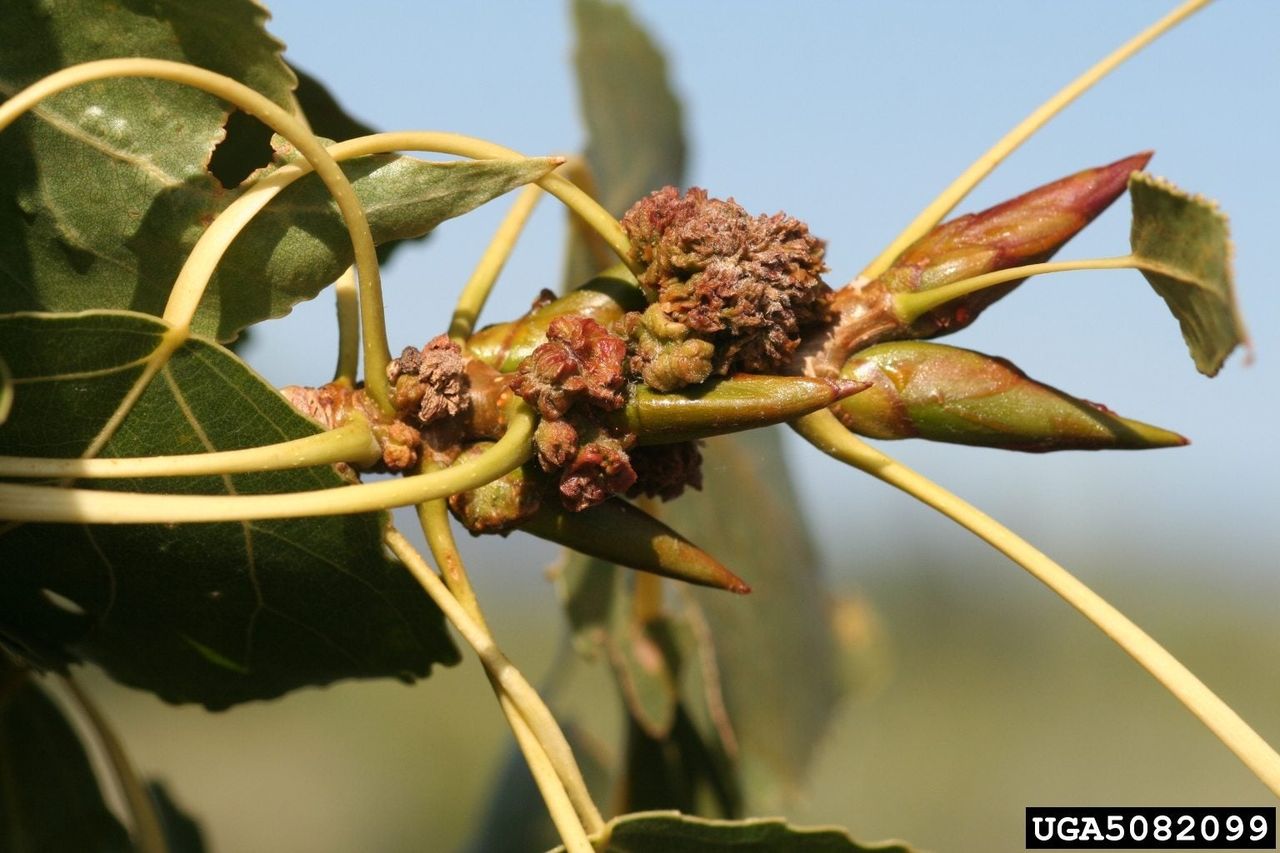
{"x":49,"y":795}
{"x":672,"y":832}
{"x":635,"y":132}
{"x":109,"y":178}
{"x":298,"y":244}
{"x":107,"y":186}
{"x":776,"y":653}
{"x":588,"y":588}
{"x":675,"y":771}
{"x":1183,"y":238}
{"x":597,"y":600}
{"x":210,"y":613}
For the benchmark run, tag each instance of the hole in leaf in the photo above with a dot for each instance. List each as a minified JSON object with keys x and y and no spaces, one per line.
{"x":246,"y":147}
{"x":61,"y":602}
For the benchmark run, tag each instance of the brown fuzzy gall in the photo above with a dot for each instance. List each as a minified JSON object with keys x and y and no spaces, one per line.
{"x":664,"y":470}
{"x":747,"y":284}
{"x":592,"y":461}
{"x":430,"y":383}
{"x":600,"y":469}
{"x":581,"y":360}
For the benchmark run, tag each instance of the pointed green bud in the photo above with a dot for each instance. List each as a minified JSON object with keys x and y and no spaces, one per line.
{"x":725,"y":405}
{"x":621,"y":533}
{"x":605,"y":299}
{"x":941,"y":393}
{"x":1024,"y":230}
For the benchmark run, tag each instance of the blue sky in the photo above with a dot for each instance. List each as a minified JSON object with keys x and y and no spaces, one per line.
{"x":851,"y":116}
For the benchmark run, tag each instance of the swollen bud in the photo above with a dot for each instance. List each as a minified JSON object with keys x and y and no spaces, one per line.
{"x":941,"y":393}
{"x":1028,"y":229}
{"x":621,"y":533}
{"x":501,"y":504}
{"x":605,"y":299}
{"x":725,"y":405}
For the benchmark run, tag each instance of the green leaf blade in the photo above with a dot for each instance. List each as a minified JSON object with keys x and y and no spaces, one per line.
{"x":1183,"y":242}
{"x":298,"y":244}
{"x":102,"y":170}
{"x":107,"y":186}
{"x":781,"y":635}
{"x":209,"y":613}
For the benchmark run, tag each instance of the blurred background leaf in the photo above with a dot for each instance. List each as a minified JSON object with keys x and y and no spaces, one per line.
{"x":49,"y":796}
{"x":634,"y":122}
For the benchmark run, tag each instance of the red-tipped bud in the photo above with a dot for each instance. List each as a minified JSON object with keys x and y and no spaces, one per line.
{"x":1024,"y":230}
{"x":941,"y":393}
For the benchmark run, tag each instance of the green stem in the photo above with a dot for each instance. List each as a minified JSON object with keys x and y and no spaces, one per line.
{"x":551,"y":781}
{"x":348,"y":307}
{"x":6,"y":391}
{"x":509,"y":679}
{"x":147,"y":833}
{"x":352,"y":442}
{"x":911,"y":306}
{"x":566,"y":820}
{"x":824,"y":431}
{"x":476,"y":291}
{"x":971,"y":177}
{"x":434,"y":518}
{"x":377,"y":354}
{"x":193,"y":278}
{"x":89,"y":506}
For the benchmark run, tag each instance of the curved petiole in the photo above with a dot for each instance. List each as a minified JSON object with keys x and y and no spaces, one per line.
{"x":911,"y":306}
{"x":824,"y":431}
{"x":352,"y":442}
{"x":971,"y":177}
{"x":568,"y":781}
{"x":476,"y":291}
{"x":508,"y":680}
{"x":193,"y":278}
{"x":377,"y":353}
{"x":90,"y":506}
{"x":348,"y":309}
